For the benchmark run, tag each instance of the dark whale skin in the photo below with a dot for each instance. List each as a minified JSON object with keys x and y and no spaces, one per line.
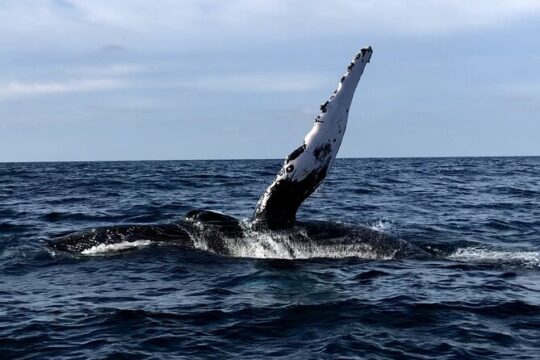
{"x":217,"y":231}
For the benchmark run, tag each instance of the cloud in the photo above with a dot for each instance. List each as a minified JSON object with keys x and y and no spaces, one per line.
{"x":199,"y":23}
{"x":237,"y":82}
{"x":408,"y":16}
{"x":107,"y":70}
{"x":17,"y":89}
{"x":256,"y":82}
{"x":63,"y":79}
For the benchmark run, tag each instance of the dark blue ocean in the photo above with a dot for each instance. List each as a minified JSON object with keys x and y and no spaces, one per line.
{"x":477,"y":297}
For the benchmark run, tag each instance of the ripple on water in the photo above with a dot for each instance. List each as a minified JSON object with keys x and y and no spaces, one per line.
{"x":476,"y":296}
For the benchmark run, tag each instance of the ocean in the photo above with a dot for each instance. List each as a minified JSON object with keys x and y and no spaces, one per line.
{"x":476,"y":297}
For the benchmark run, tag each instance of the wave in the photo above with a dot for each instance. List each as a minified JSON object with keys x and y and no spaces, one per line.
{"x":58,"y":216}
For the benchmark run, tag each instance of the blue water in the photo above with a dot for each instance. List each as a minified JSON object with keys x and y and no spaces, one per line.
{"x":477,"y":297}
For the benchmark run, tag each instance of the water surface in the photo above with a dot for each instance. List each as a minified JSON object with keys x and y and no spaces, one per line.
{"x":479,"y":297}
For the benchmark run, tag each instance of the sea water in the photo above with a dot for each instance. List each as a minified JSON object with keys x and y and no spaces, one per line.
{"x":477,"y":297}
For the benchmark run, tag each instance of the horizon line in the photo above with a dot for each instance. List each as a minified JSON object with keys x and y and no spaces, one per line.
{"x":262,"y":159}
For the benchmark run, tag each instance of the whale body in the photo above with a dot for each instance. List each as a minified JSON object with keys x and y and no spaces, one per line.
{"x":224,"y":235}
{"x":273,"y":227}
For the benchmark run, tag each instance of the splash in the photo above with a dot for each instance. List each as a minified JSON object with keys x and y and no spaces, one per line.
{"x":298,"y":245}
{"x":497,"y":256}
{"x":382,"y":225}
{"x":281,"y":246}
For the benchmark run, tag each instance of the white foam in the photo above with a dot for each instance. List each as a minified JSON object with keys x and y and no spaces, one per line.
{"x":478,"y":254}
{"x":261,"y":246}
{"x":112,"y":248}
{"x":276,"y":245}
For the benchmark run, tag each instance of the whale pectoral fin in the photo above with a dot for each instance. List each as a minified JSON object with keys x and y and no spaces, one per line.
{"x":307,"y":166}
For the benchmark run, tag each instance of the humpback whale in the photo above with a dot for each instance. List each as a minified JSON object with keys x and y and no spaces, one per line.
{"x":274,"y":217}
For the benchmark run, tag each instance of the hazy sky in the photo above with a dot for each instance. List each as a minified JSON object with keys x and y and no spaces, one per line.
{"x":134,"y":79}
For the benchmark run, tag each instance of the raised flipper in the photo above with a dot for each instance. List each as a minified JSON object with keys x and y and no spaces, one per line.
{"x":307,"y":166}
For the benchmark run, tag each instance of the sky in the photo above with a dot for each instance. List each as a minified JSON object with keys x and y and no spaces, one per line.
{"x":243,"y":79}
